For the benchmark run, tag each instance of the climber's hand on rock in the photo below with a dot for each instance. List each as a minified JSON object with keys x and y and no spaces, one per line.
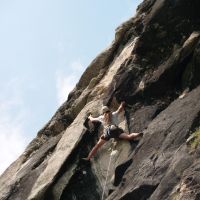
{"x":90,"y":117}
{"x":123,"y":103}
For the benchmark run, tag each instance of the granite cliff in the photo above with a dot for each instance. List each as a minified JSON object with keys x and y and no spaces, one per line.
{"x":153,"y":64}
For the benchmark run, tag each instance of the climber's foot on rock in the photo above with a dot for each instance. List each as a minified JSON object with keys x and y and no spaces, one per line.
{"x":85,"y":159}
{"x":139,"y":136}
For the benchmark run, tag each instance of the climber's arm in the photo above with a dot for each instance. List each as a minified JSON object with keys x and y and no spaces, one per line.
{"x":93,"y":119}
{"x":121,"y":107}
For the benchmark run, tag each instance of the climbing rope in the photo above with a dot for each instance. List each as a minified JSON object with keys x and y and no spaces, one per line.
{"x":112,"y":154}
{"x":104,"y":187}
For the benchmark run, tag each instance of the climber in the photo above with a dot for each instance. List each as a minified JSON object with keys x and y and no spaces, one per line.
{"x":110,"y":122}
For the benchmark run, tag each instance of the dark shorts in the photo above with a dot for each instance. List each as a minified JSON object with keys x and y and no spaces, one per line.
{"x":112,"y":134}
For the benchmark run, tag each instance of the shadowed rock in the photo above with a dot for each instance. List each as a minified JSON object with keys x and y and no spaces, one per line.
{"x":153,"y":65}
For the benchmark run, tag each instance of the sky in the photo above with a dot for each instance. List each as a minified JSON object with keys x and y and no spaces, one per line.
{"x":45,"y":45}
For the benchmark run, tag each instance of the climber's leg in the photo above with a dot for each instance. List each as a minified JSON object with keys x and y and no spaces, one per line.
{"x":130,"y":136}
{"x":95,"y":148}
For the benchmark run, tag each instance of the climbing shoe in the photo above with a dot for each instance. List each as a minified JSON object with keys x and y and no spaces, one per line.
{"x":85,"y":159}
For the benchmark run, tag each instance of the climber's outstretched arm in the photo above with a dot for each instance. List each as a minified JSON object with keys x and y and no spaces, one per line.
{"x":93,"y":119}
{"x":121,"y":107}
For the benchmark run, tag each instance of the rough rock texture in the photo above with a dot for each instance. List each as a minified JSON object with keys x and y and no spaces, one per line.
{"x":154,"y":65}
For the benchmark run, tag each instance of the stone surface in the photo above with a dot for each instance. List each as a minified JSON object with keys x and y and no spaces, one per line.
{"x":153,"y":65}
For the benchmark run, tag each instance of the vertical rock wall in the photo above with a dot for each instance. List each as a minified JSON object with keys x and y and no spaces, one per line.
{"x":153,"y":65}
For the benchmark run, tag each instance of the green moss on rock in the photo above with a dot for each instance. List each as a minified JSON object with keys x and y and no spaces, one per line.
{"x":195,"y":139}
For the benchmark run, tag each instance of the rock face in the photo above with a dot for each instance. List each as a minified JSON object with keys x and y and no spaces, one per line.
{"x":153,"y":65}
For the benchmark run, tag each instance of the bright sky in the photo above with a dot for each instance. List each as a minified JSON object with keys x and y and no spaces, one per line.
{"x":45,"y":45}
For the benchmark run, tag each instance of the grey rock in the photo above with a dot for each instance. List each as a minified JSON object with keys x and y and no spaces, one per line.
{"x":152,"y":65}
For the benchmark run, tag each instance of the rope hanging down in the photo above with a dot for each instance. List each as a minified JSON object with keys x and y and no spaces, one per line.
{"x":112,"y":154}
{"x":104,"y":187}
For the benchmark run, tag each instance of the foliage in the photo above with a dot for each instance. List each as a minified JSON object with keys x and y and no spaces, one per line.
{"x":196,"y":139}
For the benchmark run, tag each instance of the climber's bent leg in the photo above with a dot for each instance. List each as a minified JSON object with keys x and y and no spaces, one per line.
{"x":95,"y":148}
